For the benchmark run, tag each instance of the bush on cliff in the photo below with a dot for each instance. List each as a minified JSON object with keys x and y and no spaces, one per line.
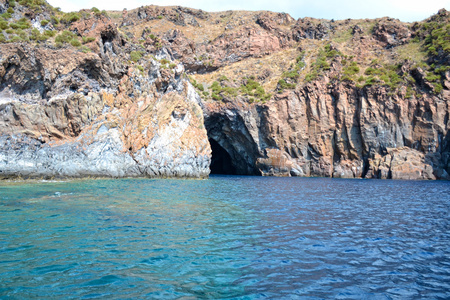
{"x":65,"y":37}
{"x":254,"y":88}
{"x":70,"y":17}
{"x":135,"y":55}
{"x":322,"y":63}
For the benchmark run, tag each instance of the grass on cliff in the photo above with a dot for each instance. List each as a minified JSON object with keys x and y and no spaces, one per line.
{"x":433,"y":36}
{"x":14,"y":30}
{"x":254,"y":91}
{"x":291,"y":77}
{"x":221,"y":89}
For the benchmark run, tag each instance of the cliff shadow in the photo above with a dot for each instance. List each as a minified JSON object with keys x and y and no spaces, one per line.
{"x":221,"y":162}
{"x":233,"y":150}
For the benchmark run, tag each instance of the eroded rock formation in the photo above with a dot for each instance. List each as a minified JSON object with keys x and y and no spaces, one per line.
{"x":336,"y":131}
{"x":177,"y":92}
{"x":65,"y":113}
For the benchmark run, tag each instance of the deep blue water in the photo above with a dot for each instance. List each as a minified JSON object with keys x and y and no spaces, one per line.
{"x":226,"y":237}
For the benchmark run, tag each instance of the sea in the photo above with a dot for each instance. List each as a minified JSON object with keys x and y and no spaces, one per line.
{"x":226,"y":237}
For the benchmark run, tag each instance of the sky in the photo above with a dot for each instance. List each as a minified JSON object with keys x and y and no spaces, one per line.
{"x":405,"y":10}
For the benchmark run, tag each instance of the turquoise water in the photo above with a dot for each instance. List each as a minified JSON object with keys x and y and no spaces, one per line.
{"x":226,"y":237}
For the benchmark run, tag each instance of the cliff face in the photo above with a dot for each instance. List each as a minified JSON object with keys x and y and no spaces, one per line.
{"x":65,"y":113}
{"x":336,"y":131}
{"x":175,"y":92}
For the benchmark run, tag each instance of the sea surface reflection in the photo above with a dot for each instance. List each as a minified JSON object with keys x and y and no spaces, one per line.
{"x":226,"y":237}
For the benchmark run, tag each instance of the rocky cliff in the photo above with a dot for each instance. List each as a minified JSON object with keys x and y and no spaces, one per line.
{"x":177,"y":92}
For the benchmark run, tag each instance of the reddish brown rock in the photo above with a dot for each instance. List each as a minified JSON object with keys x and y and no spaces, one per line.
{"x":391,"y":32}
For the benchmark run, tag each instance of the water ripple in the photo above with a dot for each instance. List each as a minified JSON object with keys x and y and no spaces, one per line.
{"x":227,"y":237}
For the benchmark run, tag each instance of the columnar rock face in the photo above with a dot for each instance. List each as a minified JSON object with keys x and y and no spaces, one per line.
{"x":336,"y":131}
{"x":177,"y":92}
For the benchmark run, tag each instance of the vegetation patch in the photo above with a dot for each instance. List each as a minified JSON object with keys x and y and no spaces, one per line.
{"x":251,"y":87}
{"x":290,"y":78}
{"x":322,"y":63}
{"x":65,"y":37}
{"x":433,"y":37}
{"x":197,"y":85}
{"x":70,"y":17}
{"x":136,"y":55}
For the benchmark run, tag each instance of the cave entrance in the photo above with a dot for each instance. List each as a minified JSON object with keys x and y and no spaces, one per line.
{"x":220,"y":160}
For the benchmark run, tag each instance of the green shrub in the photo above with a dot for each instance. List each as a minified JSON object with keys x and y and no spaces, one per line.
{"x":43,"y":37}
{"x":10,"y":10}
{"x":321,"y":64}
{"x":311,"y":76}
{"x":16,"y":39}
{"x":50,"y":33}
{"x":370,"y":81}
{"x":44,"y":22}
{"x":437,"y":88}
{"x":253,"y":88}
{"x":6,"y":16}
{"x":54,"y":20}
{"x":218,"y":90}
{"x":215,"y":87}
{"x":141,"y":68}
{"x":331,"y":53}
{"x":35,"y":5}
{"x":291,"y":75}
{"x":300,"y":57}
{"x":65,"y":37}
{"x":4,"y":25}
{"x":87,"y":39}
{"x":35,"y":34}
{"x":433,"y":77}
{"x":216,"y":97}
{"x":230,"y":91}
{"x":32,"y":3}
{"x":301,"y":64}
{"x":135,"y":55}
{"x":370,"y":71}
{"x":282,"y":84}
{"x":24,"y":23}
{"x":75,"y":42}
{"x":70,"y":17}
{"x":347,"y":78}
{"x":351,"y":70}
{"x":23,"y":35}
{"x":84,"y":49}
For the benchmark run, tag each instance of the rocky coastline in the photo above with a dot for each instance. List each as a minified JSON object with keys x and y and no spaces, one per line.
{"x":179,"y":92}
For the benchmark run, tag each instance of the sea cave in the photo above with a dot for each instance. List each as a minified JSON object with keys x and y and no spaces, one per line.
{"x":221,"y":161}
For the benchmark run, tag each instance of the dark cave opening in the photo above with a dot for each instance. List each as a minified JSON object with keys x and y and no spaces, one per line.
{"x":221,"y":162}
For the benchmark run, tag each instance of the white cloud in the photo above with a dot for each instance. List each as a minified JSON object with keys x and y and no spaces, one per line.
{"x":405,"y":10}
